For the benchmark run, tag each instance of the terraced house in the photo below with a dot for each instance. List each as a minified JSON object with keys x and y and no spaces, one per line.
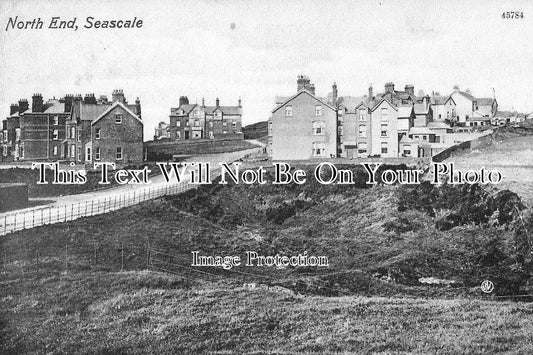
{"x":34,"y":133}
{"x":391,"y":124}
{"x":194,"y":121}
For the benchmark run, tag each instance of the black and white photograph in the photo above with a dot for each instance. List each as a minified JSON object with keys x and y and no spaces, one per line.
{"x":266,"y":177}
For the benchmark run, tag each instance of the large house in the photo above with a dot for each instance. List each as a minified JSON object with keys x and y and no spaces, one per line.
{"x":74,"y":129}
{"x":470,"y":109}
{"x":194,"y":121}
{"x":102,"y":130}
{"x":390,"y":124}
{"x":34,"y":133}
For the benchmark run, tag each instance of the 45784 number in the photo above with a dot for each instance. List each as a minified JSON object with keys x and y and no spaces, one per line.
{"x":512,"y":14}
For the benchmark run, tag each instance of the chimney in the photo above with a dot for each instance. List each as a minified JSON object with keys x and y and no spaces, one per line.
{"x":13,"y":108}
{"x":138,"y":107}
{"x":78,"y":98}
{"x":312,"y":89}
{"x":118,"y":95}
{"x":89,"y":99}
{"x":184,"y":100}
{"x":218,"y":102}
{"x":370,"y":93}
{"x":410,"y":89}
{"x":37,"y":104}
{"x":203,"y":102}
{"x":23,"y":105}
{"x":389,"y":87}
{"x":334,"y":95}
{"x":68,"y":102}
{"x":303,"y":83}
{"x":456,"y":88}
{"x":240,"y":102}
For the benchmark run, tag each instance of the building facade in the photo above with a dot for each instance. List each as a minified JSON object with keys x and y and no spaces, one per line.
{"x":194,"y":121}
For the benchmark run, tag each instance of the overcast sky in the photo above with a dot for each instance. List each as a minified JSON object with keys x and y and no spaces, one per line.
{"x":191,"y":48}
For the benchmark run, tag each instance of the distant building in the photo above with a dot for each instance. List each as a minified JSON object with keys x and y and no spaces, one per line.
{"x":444,"y":108}
{"x":36,"y":132}
{"x":468,"y":106}
{"x":194,"y":121}
{"x":162,"y":131}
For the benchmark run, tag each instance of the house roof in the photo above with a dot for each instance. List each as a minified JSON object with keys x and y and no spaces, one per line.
{"x":438,"y":125}
{"x":472,"y":119}
{"x":503,"y":114}
{"x":420,"y":130}
{"x":406,"y":139}
{"x":54,"y":106}
{"x":298,"y":94}
{"x":88,"y":112}
{"x":421,"y":109}
{"x":484,"y":101}
{"x":226,"y":110}
{"x":350,"y":102}
{"x":467,"y":95}
{"x":405,"y":111}
{"x":378,"y":102}
{"x":110,"y":108}
{"x":440,"y":100}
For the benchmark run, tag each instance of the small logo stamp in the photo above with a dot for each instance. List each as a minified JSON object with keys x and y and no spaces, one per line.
{"x":487,"y":286}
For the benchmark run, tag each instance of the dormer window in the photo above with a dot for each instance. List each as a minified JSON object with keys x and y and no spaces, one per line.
{"x":118,"y":118}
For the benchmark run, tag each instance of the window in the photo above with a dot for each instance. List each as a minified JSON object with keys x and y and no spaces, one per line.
{"x":97,"y":133}
{"x":79,"y":153}
{"x":118,"y":118}
{"x":340,"y":131}
{"x":218,"y":115}
{"x":362,"y":148}
{"x":319,"y":149}
{"x":425,"y":138}
{"x":22,"y":151}
{"x":319,"y":128}
{"x":187,"y":123}
{"x":72,"y":132}
{"x":55,"y":134}
{"x":318,"y":110}
{"x":234,"y":124}
{"x":197,"y":113}
{"x":211,"y":135}
{"x":56,"y":120}
{"x":269,"y":128}
{"x":197,"y":134}
{"x":384,"y":114}
{"x":196,"y":123}
{"x":88,"y":154}
{"x":79,"y":135}
{"x":210,"y":124}
{"x":288,"y":111}
{"x":178,"y":135}
{"x":362,"y":131}
{"x":17,"y":134}
{"x":178,"y":123}
{"x":384,"y":128}
{"x":224,"y":123}
{"x":72,"y":151}
{"x":97,"y":153}
{"x":340,"y":111}
{"x":384,"y":147}
{"x":224,"y":132}
{"x":5,"y":136}
{"x":118,"y":154}
{"x":55,"y":150}
{"x":362,"y":114}
{"x":4,"y":150}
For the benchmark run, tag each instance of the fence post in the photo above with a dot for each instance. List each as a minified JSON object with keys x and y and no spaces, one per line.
{"x":66,"y":257}
{"x":122,"y":257}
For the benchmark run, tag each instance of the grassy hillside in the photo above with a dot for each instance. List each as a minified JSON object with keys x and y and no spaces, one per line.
{"x":380,"y":241}
{"x":152,"y":313}
{"x":255,"y":130}
{"x":160,"y":151}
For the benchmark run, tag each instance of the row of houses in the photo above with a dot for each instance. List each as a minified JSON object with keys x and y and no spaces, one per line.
{"x":198,"y":121}
{"x":74,"y":129}
{"x":394,"y":123}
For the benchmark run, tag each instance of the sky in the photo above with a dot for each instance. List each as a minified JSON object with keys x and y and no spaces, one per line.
{"x":256,"y":49}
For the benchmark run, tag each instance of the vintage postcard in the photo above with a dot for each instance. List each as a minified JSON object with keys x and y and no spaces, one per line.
{"x":266,"y":177}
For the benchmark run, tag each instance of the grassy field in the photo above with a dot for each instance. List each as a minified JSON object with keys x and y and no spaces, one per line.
{"x":151,"y":313}
{"x":83,"y":287}
{"x":158,"y":151}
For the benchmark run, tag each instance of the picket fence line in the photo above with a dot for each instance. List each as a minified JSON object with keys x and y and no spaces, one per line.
{"x":20,"y":220}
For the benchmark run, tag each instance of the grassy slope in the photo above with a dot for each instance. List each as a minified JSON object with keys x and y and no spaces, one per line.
{"x":146,"y":312}
{"x":97,"y":309}
{"x":155,"y":151}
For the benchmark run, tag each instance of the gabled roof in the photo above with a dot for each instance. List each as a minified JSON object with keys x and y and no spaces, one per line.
{"x":298,"y":94}
{"x":405,"y":111}
{"x":186,"y":109}
{"x":503,"y":114}
{"x":377,"y":103}
{"x":441,"y":100}
{"x":467,"y":95}
{"x":88,"y":112}
{"x":350,"y":102}
{"x":484,"y":101}
{"x":421,"y":109}
{"x":118,"y":103}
